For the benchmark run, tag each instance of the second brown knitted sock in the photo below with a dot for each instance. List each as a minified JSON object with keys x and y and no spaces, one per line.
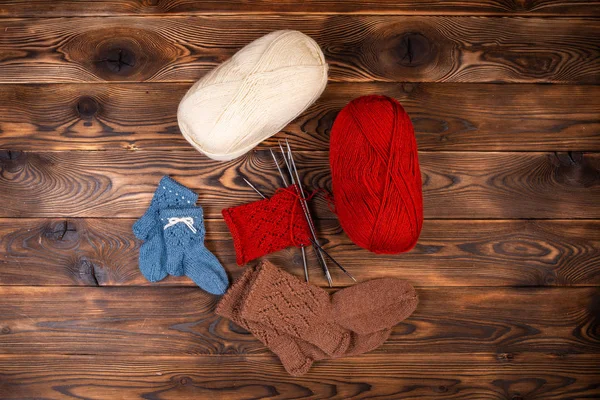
{"x":374,"y":305}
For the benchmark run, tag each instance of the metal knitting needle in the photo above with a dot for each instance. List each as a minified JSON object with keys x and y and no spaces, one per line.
{"x":255,"y":189}
{"x":304,"y":262}
{"x":286,"y":162}
{"x":307,"y":212}
{"x":278,"y":169}
{"x":334,"y":260}
{"x":316,"y":244}
{"x":307,"y":216}
{"x":291,"y":165}
{"x":302,"y":248}
{"x":312,"y":241}
{"x":286,"y":185}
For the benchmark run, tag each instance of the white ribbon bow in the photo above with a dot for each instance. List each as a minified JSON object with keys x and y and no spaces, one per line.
{"x":189,"y":221}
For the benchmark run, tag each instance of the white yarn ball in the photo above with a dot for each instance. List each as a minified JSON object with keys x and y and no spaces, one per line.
{"x":253,"y":95}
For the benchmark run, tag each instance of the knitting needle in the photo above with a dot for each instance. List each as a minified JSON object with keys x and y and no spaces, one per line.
{"x":312,"y":241}
{"x":291,"y":165}
{"x":293,"y":162}
{"x":334,"y":260}
{"x":308,"y":218}
{"x":302,"y":248}
{"x":255,"y":189}
{"x":286,"y":162}
{"x":286,"y":185}
{"x":306,"y":211}
{"x":278,"y":169}
{"x":304,"y":262}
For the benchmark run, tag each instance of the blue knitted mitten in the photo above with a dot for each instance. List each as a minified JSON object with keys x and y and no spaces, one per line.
{"x":183,"y":232}
{"x":152,"y":252}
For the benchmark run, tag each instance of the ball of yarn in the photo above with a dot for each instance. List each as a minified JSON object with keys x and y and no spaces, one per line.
{"x":375,"y":175}
{"x":253,"y":95}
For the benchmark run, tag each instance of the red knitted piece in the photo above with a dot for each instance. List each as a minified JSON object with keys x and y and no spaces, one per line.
{"x":267,"y":226}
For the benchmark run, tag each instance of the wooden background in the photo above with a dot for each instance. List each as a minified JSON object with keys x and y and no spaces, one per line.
{"x":505,"y":99}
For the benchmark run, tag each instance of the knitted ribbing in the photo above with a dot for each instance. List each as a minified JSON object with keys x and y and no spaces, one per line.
{"x":169,"y":193}
{"x":183,"y":233}
{"x":266,"y":226}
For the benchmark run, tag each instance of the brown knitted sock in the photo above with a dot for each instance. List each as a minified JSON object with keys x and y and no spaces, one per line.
{"x":292,"y":357}
{"x":374,"y":305}
{"x":369,"y":310}
{"x":282,"y":301}
{"x":353,"y":307}
{"x":296,"y":355}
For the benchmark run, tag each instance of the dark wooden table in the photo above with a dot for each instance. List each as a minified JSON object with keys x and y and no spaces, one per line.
{"x":505,"y":99}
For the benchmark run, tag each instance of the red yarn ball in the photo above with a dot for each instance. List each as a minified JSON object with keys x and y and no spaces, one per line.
{"x":375,"y":175}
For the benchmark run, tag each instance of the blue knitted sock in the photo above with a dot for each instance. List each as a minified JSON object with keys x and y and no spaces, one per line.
{"x":169,"y":193}
{"x":183,"y":231}
{"x":152,"y":257}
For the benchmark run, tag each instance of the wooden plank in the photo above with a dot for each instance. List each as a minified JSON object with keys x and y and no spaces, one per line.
{"x":456,"y":185}
{"x":449,"y":116}
{"x":181,"y":321}
{"x":104,"y":252}
{"x":418,"y":376}
{"x":59,"y":8}
{"x":358,"y":48}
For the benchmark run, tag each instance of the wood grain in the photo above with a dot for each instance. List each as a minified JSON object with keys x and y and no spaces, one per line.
{"x":103,"y":252}
{"x":449,"y":116}
{"x":456,"y":185}
{"x":181,"y":321}
{"x":357,"y":48}
{"x":59,"y":8}
{"x":508,"y":264}
{"x":409,"y":376}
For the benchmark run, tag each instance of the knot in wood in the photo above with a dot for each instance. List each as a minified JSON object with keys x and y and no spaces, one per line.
{"x":414,"y":49}
{"x":12,"y":161}
{"x":442,"y":389}
{"x":325,"y":123}
{"x":87,"y":272}
{"x":408,"y":87}
{"x":505,"y":357}
{"x":117,"y":60}
{"x":62,"y":231}
{"x":6,"y":330}
{"x":576,"y":170}
{"x":185,"y":381}
{"x":87,"y":107}
{"x":550,"y":278}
